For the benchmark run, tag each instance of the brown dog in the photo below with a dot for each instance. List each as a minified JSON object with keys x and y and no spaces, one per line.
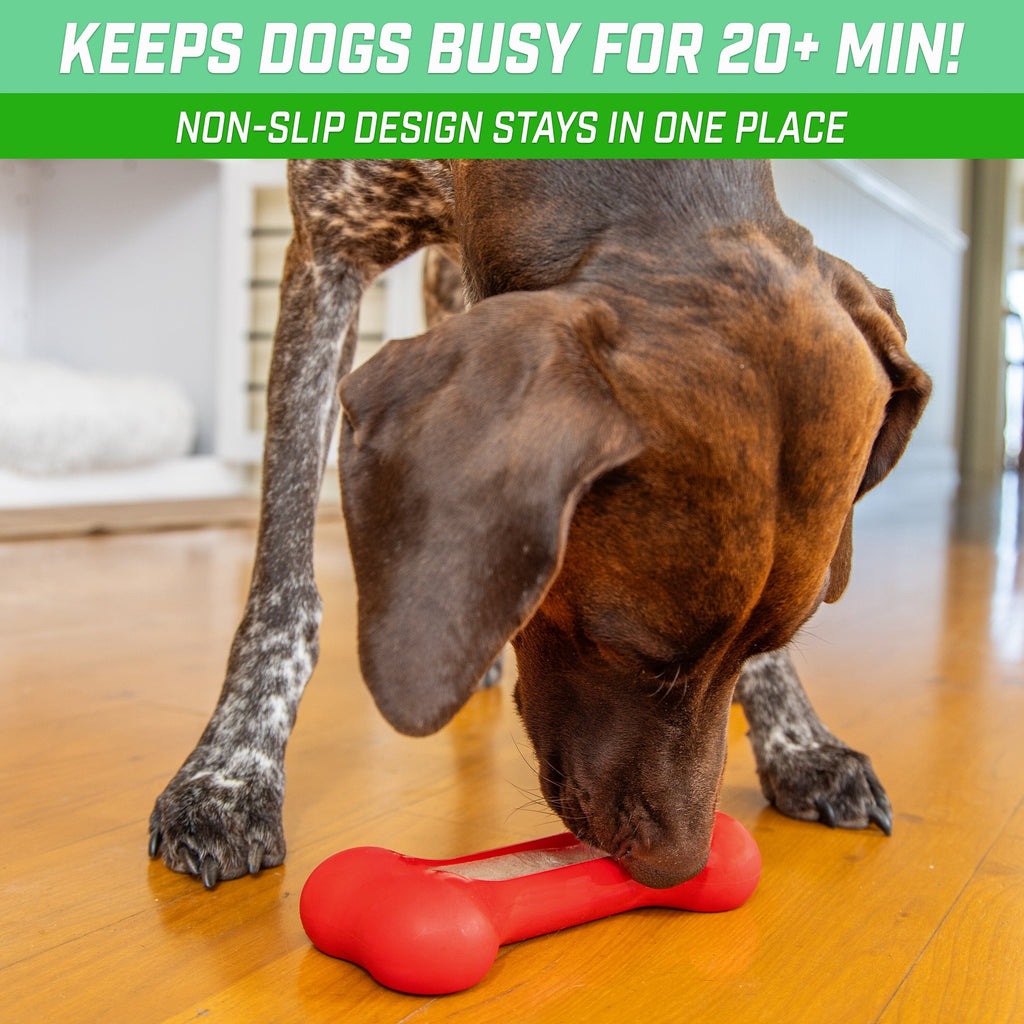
{"x":636,"y":455}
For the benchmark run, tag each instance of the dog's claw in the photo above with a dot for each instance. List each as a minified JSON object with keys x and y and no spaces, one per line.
{"x":191,"y":859}
{"x":882,"y":818}
{"x":826,"y":813}
{"x":256,"y":852}
{"x":210,"y":872}
{"x":155,"y":838}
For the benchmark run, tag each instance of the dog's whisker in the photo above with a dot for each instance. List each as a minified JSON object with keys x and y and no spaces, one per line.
{"x":519,"y":749}
{"x":538,"y":807}
{"x":524,"y":791}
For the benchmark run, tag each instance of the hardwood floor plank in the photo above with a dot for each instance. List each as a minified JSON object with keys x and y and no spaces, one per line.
{"x":973,"y":969}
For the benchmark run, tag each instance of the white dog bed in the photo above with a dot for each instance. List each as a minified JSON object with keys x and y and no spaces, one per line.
{"x":56,"y":420}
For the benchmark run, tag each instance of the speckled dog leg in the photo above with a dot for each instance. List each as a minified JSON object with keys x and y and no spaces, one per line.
{"x":805,"y":771}
{"x":220,"y":816}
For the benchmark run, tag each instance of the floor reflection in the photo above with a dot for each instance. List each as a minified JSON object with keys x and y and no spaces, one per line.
{"x":984,"y":600}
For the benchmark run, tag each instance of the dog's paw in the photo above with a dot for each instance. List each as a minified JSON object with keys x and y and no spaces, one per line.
{"x":826,"y":782}
{"x":216,"y":824}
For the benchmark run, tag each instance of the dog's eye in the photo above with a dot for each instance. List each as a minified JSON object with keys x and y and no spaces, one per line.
{"x":619,"y":638}
{"x":664,"y":673}
{"x":611,"y":654}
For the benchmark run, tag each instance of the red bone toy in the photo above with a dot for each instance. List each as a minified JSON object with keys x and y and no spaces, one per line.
{"x":431,"y":927}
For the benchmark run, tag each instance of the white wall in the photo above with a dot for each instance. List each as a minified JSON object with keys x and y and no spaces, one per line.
{"x":15,"y":206}
{"x":920,"y":264}
{"x":118,"y":269}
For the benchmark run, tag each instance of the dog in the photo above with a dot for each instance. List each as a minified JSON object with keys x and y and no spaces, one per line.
{"x":635,"y":454}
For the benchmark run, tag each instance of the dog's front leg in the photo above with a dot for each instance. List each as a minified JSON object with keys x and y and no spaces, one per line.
{"x":805,"y":771}
{"x":220,"y":816}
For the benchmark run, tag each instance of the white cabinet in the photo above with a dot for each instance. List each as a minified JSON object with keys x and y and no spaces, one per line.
{"x":168,"y":268}
{"x":255,"y":226}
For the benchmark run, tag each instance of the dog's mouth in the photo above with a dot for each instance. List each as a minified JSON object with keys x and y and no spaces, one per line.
{"x":619,"y":835}
{"x":564,"y":798}
{"x":567,"y":800}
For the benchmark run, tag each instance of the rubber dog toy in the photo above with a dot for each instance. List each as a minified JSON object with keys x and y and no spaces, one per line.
{"x":420,"y":926}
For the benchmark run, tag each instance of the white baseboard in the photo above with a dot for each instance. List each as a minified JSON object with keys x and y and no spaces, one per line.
{"x":194,"y":478}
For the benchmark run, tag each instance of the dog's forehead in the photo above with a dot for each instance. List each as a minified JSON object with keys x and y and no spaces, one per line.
{"x":724,"y":526}
{"x":747,"y":358}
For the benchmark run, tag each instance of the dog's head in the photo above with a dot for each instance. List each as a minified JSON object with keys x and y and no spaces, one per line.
{"x":642,"y":491}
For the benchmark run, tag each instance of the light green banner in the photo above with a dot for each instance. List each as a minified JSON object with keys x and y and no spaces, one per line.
{"x":527,"y":47}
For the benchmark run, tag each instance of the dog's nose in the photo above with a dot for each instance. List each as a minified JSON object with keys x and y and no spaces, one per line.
{"x":662,"y":869}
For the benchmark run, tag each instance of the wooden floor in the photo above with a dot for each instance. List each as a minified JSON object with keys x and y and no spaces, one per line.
{"x":111,"y":652}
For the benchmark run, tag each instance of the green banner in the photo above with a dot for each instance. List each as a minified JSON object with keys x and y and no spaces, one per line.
{"x":653,"y":78}
{"x":572,"y":125}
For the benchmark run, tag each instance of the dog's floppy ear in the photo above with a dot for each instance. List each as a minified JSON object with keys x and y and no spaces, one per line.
{"x":873,"y":311}
{"x":463,"y":454}
{"x":842,"y":562}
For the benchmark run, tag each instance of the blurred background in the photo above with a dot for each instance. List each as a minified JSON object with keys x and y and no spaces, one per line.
{"x":138,"y":302}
